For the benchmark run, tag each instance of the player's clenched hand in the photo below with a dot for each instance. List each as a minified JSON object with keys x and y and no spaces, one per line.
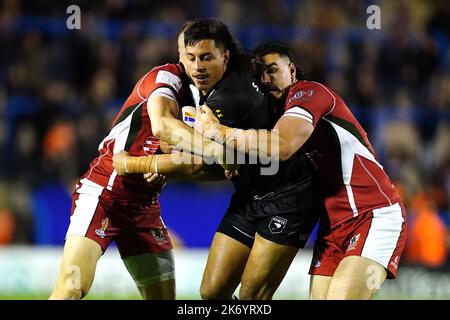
{"x":231,"y":173}
{"x":205,"y":114}
{"x":119,"y":162}
{"x":165,"y":147}
{"x":231,"y":169}
{"x":205,"y":120}
{"x":155,"y":178}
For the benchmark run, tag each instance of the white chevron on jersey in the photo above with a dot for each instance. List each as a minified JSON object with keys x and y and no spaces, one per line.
{"x":119,"y":134}
{"x":350,"y":147}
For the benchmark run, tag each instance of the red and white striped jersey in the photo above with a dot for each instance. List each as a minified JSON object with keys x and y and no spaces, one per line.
{"x":350,"y":173}
{"x":131,"y":131}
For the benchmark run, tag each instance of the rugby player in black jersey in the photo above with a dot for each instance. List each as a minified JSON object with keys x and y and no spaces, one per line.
{"x":270,"y":216}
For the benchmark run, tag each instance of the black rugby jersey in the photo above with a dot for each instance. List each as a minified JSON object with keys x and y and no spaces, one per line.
{"x":238,"y":102}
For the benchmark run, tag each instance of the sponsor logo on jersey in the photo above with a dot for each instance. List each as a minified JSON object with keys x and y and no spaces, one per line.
{"x":188,"y":114}
{"x":189,"y":118}
{"x":277,"y":224}
{"x":353,"y":242}
{"x":159,"y":236}
{"x":151,"y":145}
{"x":218,"y":113}
{"x":101,"y":232}
{"x":169,"y":78}
{"x":302,"y":95}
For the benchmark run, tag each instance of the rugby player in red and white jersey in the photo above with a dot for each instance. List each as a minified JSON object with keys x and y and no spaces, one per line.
{"x":362,"y":232}
{"x":107,"y":206}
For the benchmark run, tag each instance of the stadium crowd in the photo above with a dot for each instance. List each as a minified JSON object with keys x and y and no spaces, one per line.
{"x":61,"y":88}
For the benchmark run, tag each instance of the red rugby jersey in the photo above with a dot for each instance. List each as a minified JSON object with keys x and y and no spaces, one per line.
{"x":131,"y":131}
{"x":351,"y":176}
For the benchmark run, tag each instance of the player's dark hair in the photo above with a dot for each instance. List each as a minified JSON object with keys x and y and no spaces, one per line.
{"x":270,"y":47}
{"x":212,"y":29}
{"x":185,"y":26}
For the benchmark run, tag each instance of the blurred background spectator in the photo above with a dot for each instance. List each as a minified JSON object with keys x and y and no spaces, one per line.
{"x":60,"y":90}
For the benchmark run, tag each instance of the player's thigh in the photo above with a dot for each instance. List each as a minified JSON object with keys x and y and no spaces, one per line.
{"x":266,"y":267}
{"x":318,"y":287}
{"x":356,"y":277}
{"x":376,"y":243}
{"x":153,"y":274}
{"x":285,"y":219}
{"x":326,"y":258}
{"x":146,"y":251}
{"x":77,"y":270}
{"x":224,"y":267}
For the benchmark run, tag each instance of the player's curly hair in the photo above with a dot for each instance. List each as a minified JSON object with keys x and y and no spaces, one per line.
{"x":269,"y":47}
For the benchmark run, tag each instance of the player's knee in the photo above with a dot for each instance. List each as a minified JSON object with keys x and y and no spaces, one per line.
{"x":163,"y":290}
{"x":345,"y":295}
{"x":249,"y":291}
{"x":211,"y":291}
{"x":207,"y":292}
{"x":350,"y":291}
{"x":317,"y":295}
{"x":71,"y":287}
{"x":67,"y":294}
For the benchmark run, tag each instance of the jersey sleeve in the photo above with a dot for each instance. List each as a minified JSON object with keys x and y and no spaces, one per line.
{"x":311,"y":102}
{"x":163,"y":81}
